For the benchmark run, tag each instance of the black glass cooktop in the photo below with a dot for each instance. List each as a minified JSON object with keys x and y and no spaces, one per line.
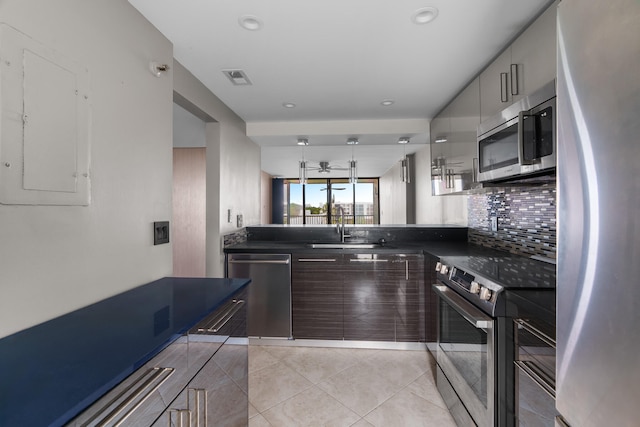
{"x":508,"y":271}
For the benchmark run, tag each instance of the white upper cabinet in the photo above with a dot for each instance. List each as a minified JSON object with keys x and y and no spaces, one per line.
{"x":523,"y":67}
{"x":534,"y":53}
{"x":495,"y":90}
{"x":453,"y":142}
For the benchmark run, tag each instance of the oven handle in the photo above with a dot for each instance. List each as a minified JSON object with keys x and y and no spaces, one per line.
{"x":521,"y":117}
{"x":474,"y":316}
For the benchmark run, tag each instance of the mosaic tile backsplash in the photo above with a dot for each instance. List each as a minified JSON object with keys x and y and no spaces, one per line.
{"x":239,"y":236}
{"x":526,"y":220}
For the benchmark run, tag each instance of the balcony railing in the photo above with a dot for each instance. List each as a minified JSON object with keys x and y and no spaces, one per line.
{"x":322,"y":219}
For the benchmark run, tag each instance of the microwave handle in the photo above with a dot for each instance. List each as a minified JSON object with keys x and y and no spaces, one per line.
{"x":521,"y":159}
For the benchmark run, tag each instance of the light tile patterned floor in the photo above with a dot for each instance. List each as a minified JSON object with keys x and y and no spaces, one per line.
{"x":305,"y":386}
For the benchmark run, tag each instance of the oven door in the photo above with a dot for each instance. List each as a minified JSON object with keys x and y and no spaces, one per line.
{"x":465,"y":354}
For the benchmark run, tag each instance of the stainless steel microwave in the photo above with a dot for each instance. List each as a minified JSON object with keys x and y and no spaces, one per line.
{"x":521,"y":140}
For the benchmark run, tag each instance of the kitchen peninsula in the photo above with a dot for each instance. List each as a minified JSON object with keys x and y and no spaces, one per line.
{"x":62,"y":366}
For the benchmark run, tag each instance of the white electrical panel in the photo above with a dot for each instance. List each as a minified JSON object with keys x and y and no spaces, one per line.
{"x":44,"y":124}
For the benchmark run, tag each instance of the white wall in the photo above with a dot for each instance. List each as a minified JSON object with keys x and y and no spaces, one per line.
{"x":54,"y":259}
{"x":188,"y":130}
{"x":435,"y":209}
{"x":265,"y":198}
{"x":233,"y":167}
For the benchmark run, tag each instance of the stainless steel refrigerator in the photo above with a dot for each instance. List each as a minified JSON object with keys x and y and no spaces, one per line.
{"x":598,"y":312}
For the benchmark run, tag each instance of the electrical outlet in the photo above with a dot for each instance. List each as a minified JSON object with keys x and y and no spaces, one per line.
{"x":239,"y":220}
{"x":494,"y":224}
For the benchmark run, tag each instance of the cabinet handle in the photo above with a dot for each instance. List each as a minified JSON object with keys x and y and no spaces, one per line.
{"x":367,"y":260}
{"x":198,"y":395}
{"x":193,"y":415}
{"x":538,"y":376}
{"x":180,"y":417}
{"x":141,"y":389}
{"x":504,"y":93}
{"x":316,"y":260}
{"x":514,"y":79}
{"x":217,"y":323}
{"x":406,"y":269}
{"x":527,"y":326}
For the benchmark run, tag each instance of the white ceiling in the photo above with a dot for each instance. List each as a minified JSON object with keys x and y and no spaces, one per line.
{"x":337,"y":60}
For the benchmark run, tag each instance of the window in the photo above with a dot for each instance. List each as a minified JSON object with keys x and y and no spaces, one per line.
{"x":320,"y":200}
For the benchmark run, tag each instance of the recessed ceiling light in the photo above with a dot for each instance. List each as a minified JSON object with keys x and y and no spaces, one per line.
{"x":387,"y":102}
{"x":303,"y":141}
{"x":288,"y":105}
{"x":404,"y":140}
{"x":424,"y":15}
{"x":352,"y":141}
{"x":250,"y":22}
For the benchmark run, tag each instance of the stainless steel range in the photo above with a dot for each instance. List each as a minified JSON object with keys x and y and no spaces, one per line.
{"x":478,"y":298}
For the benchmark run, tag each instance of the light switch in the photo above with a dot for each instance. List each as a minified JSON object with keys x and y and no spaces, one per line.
{"x":160,"y":232}
{"x":239,"y":221}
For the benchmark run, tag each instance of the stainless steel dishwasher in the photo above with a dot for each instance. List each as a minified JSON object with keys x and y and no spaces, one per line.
{"x":269,"y":296}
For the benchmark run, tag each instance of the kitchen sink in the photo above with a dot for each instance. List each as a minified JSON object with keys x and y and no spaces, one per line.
{"x":345,"y":245}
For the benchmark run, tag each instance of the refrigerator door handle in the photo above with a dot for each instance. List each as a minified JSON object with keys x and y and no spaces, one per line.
{"x":560,"y":422}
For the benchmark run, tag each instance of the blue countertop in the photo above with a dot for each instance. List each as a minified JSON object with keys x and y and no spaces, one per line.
{"x":52,"y":371}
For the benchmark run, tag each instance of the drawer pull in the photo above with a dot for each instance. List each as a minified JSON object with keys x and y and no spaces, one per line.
{"x":178,"y":419}
{"x":529,"y":327}
{"x":195,"y":413}
{"x":199,"y":405}
{"x":538,"y":376}
{"x":367,"y":260}
{"x":230,"y":309}
{"x":140,"y":390}
{"x":316,"y":260}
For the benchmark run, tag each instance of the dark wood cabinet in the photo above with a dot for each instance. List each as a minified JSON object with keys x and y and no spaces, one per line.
{"x":317,"y":296}
{"x":431,"y":304}
{"x":409,"y":301}
{"x":369,"y":297}
{"x":384,"y":298}
{"x":362,"y":297}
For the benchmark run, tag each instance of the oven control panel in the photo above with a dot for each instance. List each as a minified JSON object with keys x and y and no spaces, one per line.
{"x":479,"y":288}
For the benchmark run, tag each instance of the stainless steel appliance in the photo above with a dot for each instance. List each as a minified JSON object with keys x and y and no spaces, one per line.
{"x":475,"y":347}
{"x":598,"y":337}
{"x":521,"y":140}
{"x":269,"y":296}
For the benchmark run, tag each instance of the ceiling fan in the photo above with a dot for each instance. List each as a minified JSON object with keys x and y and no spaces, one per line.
{"x":325,"y":167}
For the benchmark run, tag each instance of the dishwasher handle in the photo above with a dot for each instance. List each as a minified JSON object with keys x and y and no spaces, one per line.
{"x":259,"y":261}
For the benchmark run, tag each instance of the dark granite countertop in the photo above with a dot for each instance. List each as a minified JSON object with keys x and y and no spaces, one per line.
{"x":436,"y":248}
{"x":52,"y":371}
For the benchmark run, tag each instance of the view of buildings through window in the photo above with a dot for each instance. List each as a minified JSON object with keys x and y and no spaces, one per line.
{"x":320,"y":200}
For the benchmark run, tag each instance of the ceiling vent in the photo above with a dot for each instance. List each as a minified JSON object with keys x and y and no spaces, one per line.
{"x":237,"y":77}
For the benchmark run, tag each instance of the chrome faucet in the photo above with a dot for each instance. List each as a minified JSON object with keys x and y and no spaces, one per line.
{"x":340,"y":225}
